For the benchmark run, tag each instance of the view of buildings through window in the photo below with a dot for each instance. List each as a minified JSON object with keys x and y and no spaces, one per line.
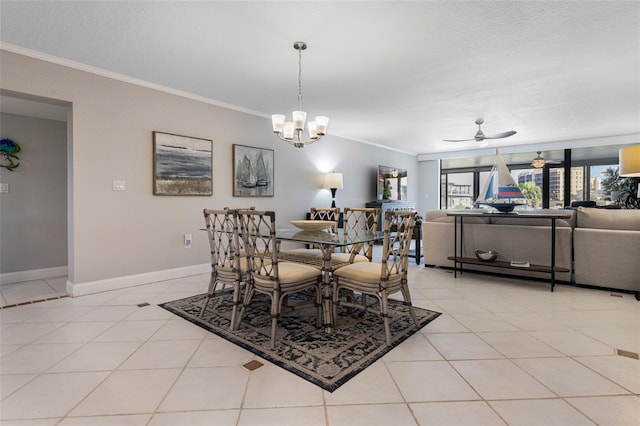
{"x":458,"y":192}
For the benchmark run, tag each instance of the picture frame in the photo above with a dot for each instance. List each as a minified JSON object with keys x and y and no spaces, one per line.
{"x":252,"y":171}
{"x":182,"y":165}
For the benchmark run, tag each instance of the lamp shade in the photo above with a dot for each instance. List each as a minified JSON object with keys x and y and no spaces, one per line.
{"x":630,"y":161}
{"x":333,"y":180}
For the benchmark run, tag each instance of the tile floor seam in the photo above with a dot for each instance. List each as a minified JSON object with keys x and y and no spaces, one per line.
{"x":576,"y":359}
{"x":566,"y":399}
{"x":245,"y":389}
{"x":517,"y":366}
{"x":86,"y":395}
{"x":545,"y":343}
{"x":565,"y":396}
{"x":184,"y":367}
{"x":580,"y":411}
{"x":563,"y":352}
{"x":504,"y":354}
{"x":395,"y":382}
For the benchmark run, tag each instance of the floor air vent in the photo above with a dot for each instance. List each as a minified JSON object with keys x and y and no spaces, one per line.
{"x":627,"y":354}
{"x":253,"y":365}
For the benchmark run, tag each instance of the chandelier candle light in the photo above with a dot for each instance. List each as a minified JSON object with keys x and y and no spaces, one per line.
{"x":291,"y":131}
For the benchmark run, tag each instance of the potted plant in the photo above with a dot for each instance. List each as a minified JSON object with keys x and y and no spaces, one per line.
{"x":386,"y":190}
{"x":619,"y":188}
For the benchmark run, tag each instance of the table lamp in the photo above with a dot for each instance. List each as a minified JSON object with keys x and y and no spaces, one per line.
{"x":333,"y":181}
{"x":630,"y":163}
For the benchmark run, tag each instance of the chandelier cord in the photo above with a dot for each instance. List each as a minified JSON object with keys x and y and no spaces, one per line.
{"x":299,"y":79}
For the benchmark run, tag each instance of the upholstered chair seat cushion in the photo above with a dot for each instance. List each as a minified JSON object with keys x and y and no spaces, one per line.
{"x":302,"y":252}
{"x":368,"y":272}
{"x":243,"y":264}
{"x":346,"y":258}
{"x":290,"y":272}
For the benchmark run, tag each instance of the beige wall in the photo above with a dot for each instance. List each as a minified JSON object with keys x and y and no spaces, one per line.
{"x":33,"y":214}
{"x":122,"y":238}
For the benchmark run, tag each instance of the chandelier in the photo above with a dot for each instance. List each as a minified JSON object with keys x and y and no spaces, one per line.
{"x":291,"y":131}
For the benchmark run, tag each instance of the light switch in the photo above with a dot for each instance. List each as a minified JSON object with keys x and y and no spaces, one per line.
{"x":118,"y":185}
{"x":4,"y":187}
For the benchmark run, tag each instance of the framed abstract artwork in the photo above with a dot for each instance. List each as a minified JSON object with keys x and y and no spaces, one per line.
{"x":182,"y":165}
{"x":252,"y":171}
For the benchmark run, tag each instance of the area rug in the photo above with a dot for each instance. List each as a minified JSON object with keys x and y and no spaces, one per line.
{"x":327,"y":360}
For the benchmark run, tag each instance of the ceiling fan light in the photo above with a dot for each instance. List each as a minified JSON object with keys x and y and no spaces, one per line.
{"x":277,"y":121}
{"x":538,"y":163}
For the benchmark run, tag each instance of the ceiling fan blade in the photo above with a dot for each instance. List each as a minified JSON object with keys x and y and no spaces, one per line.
{"x":501,"y":135}
{"x":458,"y":140}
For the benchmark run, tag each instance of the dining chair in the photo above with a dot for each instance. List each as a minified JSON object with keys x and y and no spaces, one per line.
{"x":313,"y":255}
{"x":228,"y":260}
{"x":326,"y":213}
{"x":357,"y":219}
{"x":267,"y":275}
{"x":380,"y":279}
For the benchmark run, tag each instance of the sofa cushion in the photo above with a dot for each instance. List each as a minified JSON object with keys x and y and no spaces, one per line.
{"x":608,"y":219}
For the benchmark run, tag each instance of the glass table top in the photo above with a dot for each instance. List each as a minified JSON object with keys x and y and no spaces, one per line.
{"x":338,"y":238}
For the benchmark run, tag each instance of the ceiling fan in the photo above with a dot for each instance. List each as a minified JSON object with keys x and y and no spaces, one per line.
{"x":480,"y":136}
{"x":539,"y":161}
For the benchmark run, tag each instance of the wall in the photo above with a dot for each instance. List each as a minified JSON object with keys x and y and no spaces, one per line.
{"x":429,"y":195}
{"x":33,"y":215}
{"x":120,"y":238}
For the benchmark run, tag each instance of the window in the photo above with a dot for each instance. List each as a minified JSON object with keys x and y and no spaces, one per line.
{"x":530,"y":183}
{"x":461,"y":178}
{"x":458,"y":190}
{"x":597,"y":174}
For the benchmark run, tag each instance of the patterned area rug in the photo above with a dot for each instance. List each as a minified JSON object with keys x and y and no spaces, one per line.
{"x":327,"y":360}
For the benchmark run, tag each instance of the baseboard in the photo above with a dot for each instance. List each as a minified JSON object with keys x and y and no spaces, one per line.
{"x":33,"y":274}
{"x":81,"y":289}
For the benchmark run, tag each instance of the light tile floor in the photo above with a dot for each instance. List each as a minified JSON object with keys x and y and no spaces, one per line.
{"x":505,"y":351}
{"x":36,"y":290}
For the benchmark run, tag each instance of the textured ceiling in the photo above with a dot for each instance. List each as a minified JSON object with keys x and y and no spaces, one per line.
{"x":399,"y":74}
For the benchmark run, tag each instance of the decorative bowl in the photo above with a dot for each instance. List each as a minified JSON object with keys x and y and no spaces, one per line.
{"x":486,"y":256}
{"x":312,"y":225}
{"x":504,"y":207}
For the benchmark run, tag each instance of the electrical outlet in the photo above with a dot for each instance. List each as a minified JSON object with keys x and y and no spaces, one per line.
{"x":119,"y":185}
{"x":188,"y":239}
{"x":4,"y":187}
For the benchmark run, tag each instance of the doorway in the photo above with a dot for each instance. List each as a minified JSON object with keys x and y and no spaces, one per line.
{"x":34,"y":212}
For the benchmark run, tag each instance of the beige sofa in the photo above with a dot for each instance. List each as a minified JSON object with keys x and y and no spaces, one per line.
{"x":513,"y":238}
{"x":607,"y":248}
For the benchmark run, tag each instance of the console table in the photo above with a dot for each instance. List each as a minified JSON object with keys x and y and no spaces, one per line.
{"x":384,"y":206}
{"x":416,"y":253}
{"x":551,"y":268}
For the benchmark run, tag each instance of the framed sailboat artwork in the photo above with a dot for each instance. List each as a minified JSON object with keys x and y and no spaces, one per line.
{"x":252,"y":171}
{"x":500,"y":190}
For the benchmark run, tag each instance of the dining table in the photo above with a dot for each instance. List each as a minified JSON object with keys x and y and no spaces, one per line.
{"x":327,"y":241}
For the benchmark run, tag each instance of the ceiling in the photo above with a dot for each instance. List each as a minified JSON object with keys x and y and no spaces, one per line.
{"x":404,"y":75}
